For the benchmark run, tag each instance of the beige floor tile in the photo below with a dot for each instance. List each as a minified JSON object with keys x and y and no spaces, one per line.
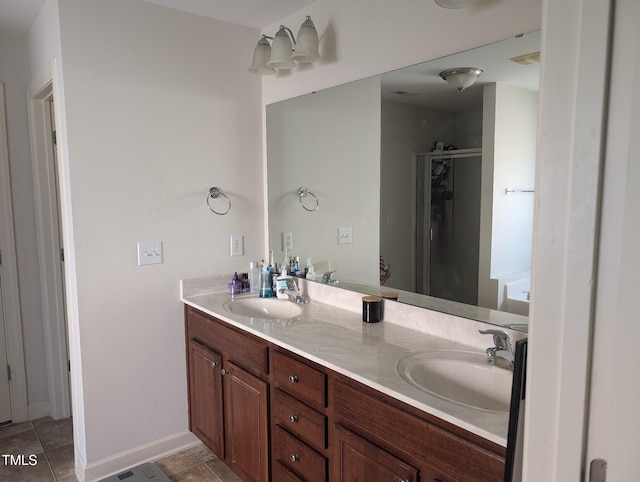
{"x":61,"y":461}
{"x":26,"y":473}
{"x":15,"y":428}
{"x":199,"y":473}
{"x":71,"y":478}
{"x":178,"y":462}
{"x":203,"y":452}
{"x":24,"y":443}
{"x":224,"y":472}
{"x":54,"y":433}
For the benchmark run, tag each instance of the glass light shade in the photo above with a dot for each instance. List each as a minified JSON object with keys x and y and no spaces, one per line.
{"x":281,"y":51}
{"x":307,"y":47}
{"x":462,"y":77}
{"x":261,"y":55}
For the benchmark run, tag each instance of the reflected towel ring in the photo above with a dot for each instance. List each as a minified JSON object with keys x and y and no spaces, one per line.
{"x":214,"y":193}
{"x":302,"y":193}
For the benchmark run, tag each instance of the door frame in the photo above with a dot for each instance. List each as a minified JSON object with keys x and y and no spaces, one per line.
{"x":10,"y":287}
{"x":41,"y":90}
{"x":569,"y":173}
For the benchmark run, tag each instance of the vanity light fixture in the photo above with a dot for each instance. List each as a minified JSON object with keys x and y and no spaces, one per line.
{"x":284,"y":51}
{"x":461,"y":77}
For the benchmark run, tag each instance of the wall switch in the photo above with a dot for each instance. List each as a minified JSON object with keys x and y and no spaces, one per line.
{"x":149,"y":252}
{"x":237,"y":245}
{"x":287,"y":241}
{"x":345,"y":235}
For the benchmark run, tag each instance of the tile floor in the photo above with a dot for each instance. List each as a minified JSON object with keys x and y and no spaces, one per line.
{"x":51,"y":441}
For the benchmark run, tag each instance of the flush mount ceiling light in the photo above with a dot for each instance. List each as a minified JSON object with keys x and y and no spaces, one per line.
{"x":284,"y":51}
{"x":461,"y":77}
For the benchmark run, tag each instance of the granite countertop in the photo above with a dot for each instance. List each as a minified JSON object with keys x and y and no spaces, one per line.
{"x":336,"y":338}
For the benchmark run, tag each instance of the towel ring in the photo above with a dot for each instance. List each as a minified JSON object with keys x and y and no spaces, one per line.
{"x":214,"y":193}
{"x":302,"y":193}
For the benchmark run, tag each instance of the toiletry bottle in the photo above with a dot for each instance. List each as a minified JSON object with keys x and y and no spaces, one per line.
{"x":311,"y":275}
{"x":266,"y":290}
{"x":254,"y":277}
{"x":235,"y":285}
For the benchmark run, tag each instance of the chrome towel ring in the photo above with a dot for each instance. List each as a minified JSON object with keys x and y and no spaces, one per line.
{"x":214,"y":193}
{"x":302,"y":193}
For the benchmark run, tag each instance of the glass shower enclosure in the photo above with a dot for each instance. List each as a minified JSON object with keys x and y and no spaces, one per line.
{"x":448,"y":224}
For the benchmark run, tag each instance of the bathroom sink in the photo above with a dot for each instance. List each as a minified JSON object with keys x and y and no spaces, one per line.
{"x":263,"y":308}
{"x":459,"y":376}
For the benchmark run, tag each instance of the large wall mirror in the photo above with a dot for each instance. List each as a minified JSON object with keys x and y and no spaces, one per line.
{"x":420,"y":189}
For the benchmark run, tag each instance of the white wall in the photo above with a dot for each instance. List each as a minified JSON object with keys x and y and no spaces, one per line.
{"x":333,"y":148}
{"x":514,"y":166}
{"x":14,"y":73}
{"x":509,"y":147}
{"x":158,"y":109}
{"x":406,"y":131}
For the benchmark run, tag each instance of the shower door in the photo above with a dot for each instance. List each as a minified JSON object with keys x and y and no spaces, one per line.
{"x":448,"y":224}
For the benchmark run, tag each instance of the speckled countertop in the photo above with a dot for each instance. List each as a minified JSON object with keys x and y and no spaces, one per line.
{"x":331,"y":333}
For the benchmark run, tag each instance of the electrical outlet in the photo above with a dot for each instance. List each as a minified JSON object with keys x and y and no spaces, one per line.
{"x":287,"y":241}
{"x":237,"y":245}
{"x":149,"y":252}
{"x":345,"y":235}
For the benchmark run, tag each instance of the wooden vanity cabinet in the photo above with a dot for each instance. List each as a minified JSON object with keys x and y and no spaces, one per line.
{"x":229,"y":394}
{"x":273,"y":415}
{"x":384,"y":439}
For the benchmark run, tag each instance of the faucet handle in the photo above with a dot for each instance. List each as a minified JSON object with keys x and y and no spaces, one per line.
{"x":327,"y":277}
{"x":500,"y":339}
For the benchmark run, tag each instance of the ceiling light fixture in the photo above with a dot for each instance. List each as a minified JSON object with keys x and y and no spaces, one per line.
{"x":284,"y":51}
{"x":461,"y":77}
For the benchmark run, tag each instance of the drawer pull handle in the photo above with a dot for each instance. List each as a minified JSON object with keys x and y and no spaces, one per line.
{"x":294,"y":457}
{"x":224,"y":371}
{"x":293,"y":418}
{"x":293,"y":378}
{"x":214,"y":364}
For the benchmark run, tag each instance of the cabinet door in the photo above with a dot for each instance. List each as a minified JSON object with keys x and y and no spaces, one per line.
{"x":205,"y":397}
{"x":360,"y":461}
{"x":246,"y":424}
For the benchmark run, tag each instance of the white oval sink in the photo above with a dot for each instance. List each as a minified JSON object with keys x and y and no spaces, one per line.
{"x":459,"y":376}
{"x":263,"y":308}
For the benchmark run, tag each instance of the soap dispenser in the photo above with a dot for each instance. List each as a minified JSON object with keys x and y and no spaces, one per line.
{"x":311,"y":274}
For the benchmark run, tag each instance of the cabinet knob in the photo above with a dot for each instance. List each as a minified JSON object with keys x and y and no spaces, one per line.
{"x":224,"y":371}
{"x":293,"y":378}
{"x":294,"y":457}
{"x":214,"y":364}
{"x":293,"y":418}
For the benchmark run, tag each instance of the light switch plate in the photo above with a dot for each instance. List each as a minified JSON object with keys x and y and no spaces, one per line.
{"x":149,"y":252}
{"x":345,"y":235}
{"x":237,"y":245}
{"x":287,"y":241}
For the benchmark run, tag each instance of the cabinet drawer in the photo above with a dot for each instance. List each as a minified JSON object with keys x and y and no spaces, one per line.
{"x":300,"y":380}
{"x":299,"y":457}
{"x":299,"y":419}
{"x":242,"y":349}
{"x":454,"y":457}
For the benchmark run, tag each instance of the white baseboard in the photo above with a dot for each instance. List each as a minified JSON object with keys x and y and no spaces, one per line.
{"x":38,"y":410}
{"x":144,"y":453}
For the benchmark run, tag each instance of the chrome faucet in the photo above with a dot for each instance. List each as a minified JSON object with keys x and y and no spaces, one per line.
{"x":293,"y":292}
{"x":502,"y":348}
{"x":327,"y":278}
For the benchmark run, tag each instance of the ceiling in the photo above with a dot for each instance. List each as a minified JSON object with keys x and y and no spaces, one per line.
{"x":422,"y":85}
{"x":16,"y":16}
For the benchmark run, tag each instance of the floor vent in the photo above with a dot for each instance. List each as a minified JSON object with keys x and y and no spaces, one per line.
{"x":149,"y":472}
